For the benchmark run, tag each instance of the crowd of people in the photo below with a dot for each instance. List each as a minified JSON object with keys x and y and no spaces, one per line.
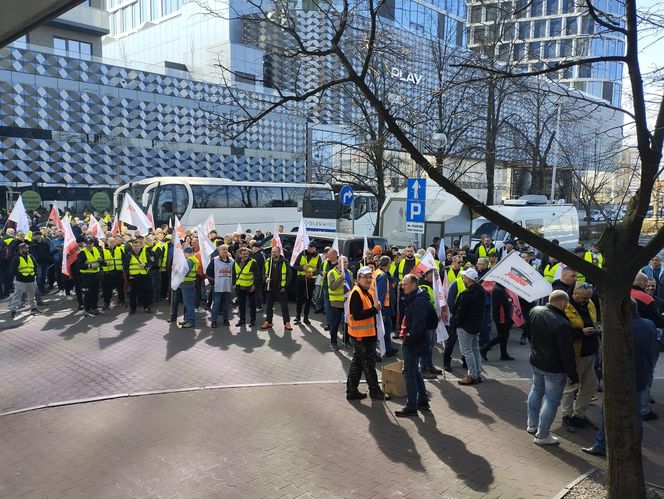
{"x":122,"y":269}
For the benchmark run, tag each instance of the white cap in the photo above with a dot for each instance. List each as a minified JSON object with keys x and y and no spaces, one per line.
{"x":470,"y":274}
{"x":364,"y":270}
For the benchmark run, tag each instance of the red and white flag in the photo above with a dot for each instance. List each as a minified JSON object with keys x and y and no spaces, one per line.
{"x":440,"y":304}
{"x":276,"y":241}
{"x":69,"y":249}
{"x":54,"y":216}
{"x":424,"y":265}
{"x":95,"y":227}
{"x":301,"y":242}
{"x":180,"y":267}
{"x":116,"y":225}
{"x":179,"y":229}
{"x":150,"y":217}
{"x":517,"y":313}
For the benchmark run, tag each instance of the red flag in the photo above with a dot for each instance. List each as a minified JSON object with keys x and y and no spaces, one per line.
{"x":70,"y":249}
{"x":488,"y":286}
{"x":54,"y":217}
{"x":116,"y":226}
{"x":517,"y":313}
{"x":276,"y":242}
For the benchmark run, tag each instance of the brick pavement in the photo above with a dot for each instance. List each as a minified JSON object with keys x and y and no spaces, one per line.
{"x":256,"y":441}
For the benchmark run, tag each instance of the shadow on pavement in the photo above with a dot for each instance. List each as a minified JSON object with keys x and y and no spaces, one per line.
{"x":285,"y":344}
{"x":178,"y":340}
{"x":126,"y":328}
{"x":462,"y":403}
{"x":392,"y":439}
{"x":473,"y":469}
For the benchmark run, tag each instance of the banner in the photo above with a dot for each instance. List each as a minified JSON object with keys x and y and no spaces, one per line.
{"x":515,"y":274}
{"x":19,"y":216}
{"x":132,"y":214}
{"x":301,"y":242}
{"x":69,"y":248}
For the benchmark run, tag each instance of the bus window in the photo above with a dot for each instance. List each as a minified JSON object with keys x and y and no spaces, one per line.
{"x":242,"y":197}
{"x":209,"y":196}
{"x":269,"y":197}
{"x":181,"y":200}
{"x":317,"y":193}
{"x":164,"y":208}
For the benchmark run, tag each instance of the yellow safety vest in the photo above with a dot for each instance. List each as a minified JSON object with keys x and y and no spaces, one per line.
{"x":550,"y":272}
{"x":310,"y":265}
{"x":91,"y":257}
{"x":429,"y":291}
{"x":26,"y":266}
{"x":164,"y":256}
{"x":451,"y":276}
{"x":191,"y":275}
{"x":336,"y":295}
{"x":135,"y":261}
{"x":244,"y":277}
{"x":402,"y":264}
{"x":284,"y":271}
{"x":483,"y":253}
{"x":113,"y":259}
{"x":387,"y":286}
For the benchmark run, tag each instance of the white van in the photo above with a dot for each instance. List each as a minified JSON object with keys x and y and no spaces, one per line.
{"x":551,"y":221}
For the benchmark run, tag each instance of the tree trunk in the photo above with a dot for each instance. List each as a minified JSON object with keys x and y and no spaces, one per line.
{"x":623,"y":436}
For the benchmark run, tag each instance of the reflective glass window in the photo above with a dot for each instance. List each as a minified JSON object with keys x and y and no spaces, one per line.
{"x":536,"y":8}
{"x":555,"y":27}
{"x":539,"y":29}
{"x":571,"y":26}
{"x":551,"y":7}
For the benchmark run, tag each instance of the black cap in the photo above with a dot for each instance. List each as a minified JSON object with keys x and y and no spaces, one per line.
{"x":312,"y":243}
{"x":80,"y":239}
{"x":256,"y":244}
{"x":89,"y":240}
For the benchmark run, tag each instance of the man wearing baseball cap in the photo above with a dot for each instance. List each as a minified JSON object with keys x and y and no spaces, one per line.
{"x":468,"y":319}
{"x":363,"y":309}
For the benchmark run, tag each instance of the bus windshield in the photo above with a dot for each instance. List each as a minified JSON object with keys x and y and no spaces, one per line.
{"x":136,"y":192}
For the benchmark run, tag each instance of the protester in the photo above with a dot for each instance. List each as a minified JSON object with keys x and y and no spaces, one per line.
{"x":278,"y":276}
{"x":362,"y":331}
{"x":220,"y":273}
{"x":338,"y":285}
{"x":307,"y":265}
{"x":384,"y":292}
{"x":185,"y":293}
{"x":468,"y":316}
{"x":23,"y":270}
{"x":552,"y":362}
{"x":414,"y":332}
{"x":89,"y":261}
{"x":501,"y":306}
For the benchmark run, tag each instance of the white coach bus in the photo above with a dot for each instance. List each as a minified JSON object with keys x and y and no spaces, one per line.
{"x":254,"y":205}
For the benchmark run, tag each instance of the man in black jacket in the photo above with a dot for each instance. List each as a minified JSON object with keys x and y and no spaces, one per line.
{"x":468,"y":317}
{"x":552,"y":360}
{"x":40,"y":250}
{"x":414,"y":345}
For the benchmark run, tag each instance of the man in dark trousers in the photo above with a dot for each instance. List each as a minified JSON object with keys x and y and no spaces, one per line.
{"x":258,"y":256}
{"x":89,"y":262}
{"x":245,"y":272}
{"x":277,"y":278}
{"x":415,"y":343}
{"x":137,"y":265}
{"x":362,"y":310}
{"x":307,"y":265}
{"x":552,"y":361}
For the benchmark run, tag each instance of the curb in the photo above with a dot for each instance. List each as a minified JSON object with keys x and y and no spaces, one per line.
{"x":570,"y":485}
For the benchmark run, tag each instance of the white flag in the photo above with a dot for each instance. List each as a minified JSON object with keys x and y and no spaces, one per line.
{"x":179,"y":230}
{"x":276,"y":241}
{"x":95,"y":227}
{"x":19,"y":216}
{"x":365,"y":250}
{"x":335,"y":245}
{"x":301,"y":242}
{"x":209,"y":224}
{"x":515,"y":274}
{"x":205,"y":244}
{"x":132,"y":214}
{"x":441,"y":251}
{"x":180,"y":266}
{"x":239,"y":228}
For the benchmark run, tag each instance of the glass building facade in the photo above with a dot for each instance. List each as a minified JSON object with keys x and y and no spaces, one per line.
{"x":531,"y":34}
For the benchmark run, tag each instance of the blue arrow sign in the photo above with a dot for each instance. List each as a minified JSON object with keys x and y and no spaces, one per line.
{"x":346,"y":195}
{"x":416,"y":189}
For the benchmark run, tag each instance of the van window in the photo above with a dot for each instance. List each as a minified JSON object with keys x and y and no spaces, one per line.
{"x":535,"y":225}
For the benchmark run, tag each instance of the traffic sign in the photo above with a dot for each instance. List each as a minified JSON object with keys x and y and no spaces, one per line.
{"x":346,"y":195}
{"x":416,"y":194}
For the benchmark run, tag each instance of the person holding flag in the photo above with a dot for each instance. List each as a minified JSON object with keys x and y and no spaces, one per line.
{"x":278,"y":276}
{"x":183,"y":280}
{"x":502,"y":309}
{"x":362,"y":311}
{"x":429,"y":371}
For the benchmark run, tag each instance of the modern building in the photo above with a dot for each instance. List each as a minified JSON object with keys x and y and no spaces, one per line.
{"x":530,"y":34}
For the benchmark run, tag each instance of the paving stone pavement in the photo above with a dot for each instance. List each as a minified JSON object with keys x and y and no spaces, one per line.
{"x":257,"y":441}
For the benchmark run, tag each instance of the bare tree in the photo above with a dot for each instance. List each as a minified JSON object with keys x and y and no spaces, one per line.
{"x":347,"y":24}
